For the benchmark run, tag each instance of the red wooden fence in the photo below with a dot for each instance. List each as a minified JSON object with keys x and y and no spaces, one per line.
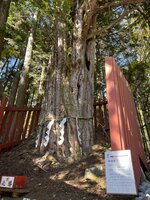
{"x":124,"y":127}
{"x":101,"y":121}
{"x":16,"y":123}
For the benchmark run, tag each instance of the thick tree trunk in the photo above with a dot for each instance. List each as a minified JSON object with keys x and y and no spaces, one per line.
{"x":70,"y":92}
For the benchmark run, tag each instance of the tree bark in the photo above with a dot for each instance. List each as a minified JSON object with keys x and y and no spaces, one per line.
{"x":21,"y":97}
{"x":14,"y":87}
{"x":4,"y":10}
{"x":69,"y":92}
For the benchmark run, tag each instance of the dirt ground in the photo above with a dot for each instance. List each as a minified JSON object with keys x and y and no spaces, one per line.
{"x":48,"y":179}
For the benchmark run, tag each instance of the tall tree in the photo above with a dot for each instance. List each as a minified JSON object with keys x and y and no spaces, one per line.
{"x":4,"y":10}
{"x":21,"y":97}
{"x":73,"y":87}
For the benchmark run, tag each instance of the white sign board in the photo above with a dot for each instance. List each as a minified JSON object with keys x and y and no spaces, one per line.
{"x":7,"y":181}
{"x":119,"y":173}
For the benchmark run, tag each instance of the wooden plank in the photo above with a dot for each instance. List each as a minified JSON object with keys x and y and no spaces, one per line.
{"x":14,"y":108}
{"x":15,"y":122}
{"x":13,"y":127}
{"x":26,"y":125}
{"x":124,"y":127}
{"x":113,"y":106}
{"x":20,"y":124}
{"x":106,"y":119}
{"x":8,"y":128}
{"x":3,"y":124}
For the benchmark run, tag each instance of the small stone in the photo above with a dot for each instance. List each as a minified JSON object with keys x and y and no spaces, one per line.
{"x":93,"y":173}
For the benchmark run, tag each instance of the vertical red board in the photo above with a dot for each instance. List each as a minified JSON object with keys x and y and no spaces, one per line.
{"x":124,"y":127}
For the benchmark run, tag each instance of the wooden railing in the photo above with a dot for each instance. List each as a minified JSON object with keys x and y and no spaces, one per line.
{"x":101,"y":120}
{"x":16,"y":123}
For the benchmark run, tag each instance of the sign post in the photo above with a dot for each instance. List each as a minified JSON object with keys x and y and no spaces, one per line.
{"x":119,"y":173}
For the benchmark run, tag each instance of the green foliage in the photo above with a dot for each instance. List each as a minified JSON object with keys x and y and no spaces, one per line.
{"x":127,"y":41}
{"x":138,"y":76}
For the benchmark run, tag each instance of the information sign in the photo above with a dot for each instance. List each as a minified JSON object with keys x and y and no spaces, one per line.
{"x":7,"y":181}
{"x":119,"y":173}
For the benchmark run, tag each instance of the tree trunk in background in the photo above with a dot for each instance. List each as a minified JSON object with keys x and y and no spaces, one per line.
{"x":4,"y":10}
{"x":14,"y":87}
{"x":1,"y":90}
{"x":69,"y":92}
{"x":41,"y":84}
{"x":21,"y":97}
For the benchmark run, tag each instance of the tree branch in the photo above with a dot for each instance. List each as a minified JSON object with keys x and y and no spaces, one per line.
{"x":143,"y":14}
{"x":115,"y":4}
{"x":105,"y":29}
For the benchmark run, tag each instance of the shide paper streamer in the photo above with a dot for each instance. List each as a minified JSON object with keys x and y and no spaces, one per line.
{"x":78,"y":132}
{"x":37,"y":140}
{"x":61,"y":138}
{"x":49,"y":126}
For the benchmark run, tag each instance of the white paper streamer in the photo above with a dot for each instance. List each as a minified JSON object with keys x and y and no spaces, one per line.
{"x":61,"y":138}
{"x":78,"y":132}
{"x":49,"y":126}
{"x":37,"y":140}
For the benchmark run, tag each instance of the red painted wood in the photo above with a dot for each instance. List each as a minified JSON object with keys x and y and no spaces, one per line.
{"x":14,"y":127}
{"x":124,"y":127}
{"x":8,"y":127}
{"x":3,"y":125}
{"x":14,"y":123}
{"x":113,"y":107}
{"x":20,"y":124}
{"x":8,"y":145}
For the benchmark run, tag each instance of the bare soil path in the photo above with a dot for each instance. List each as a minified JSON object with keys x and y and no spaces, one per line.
{"x":49,"y":179}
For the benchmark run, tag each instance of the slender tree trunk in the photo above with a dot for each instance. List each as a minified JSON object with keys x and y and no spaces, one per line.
{"x":69,"y":93}
{"x":42,"y":81}
{"x":1,"y":90}
{"x":21,"y":97}
{"x":14,"y":87}
{"x":4,"y":10}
